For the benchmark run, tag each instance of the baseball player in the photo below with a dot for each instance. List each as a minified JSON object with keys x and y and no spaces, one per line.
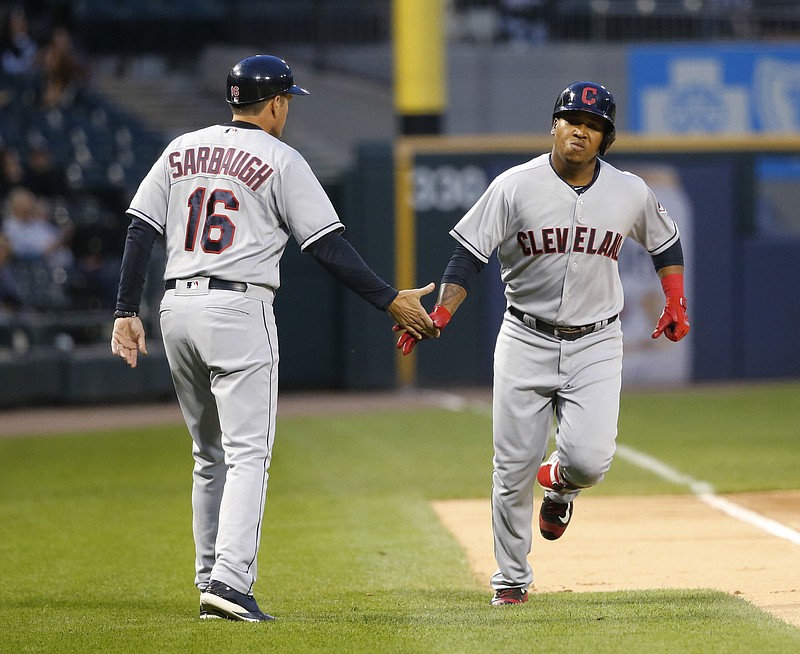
{"x":226,"y":199}
{"x":557,"y":224}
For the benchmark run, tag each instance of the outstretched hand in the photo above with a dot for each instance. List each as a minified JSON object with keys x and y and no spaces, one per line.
{"x":127,"y":339}
{"x":409,"y":314}
{"x":440,"y":317}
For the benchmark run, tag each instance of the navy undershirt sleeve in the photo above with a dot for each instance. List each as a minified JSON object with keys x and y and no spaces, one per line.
{"x":138,"y":247}
{"x":672,"y":256}
{"x":462,"y":268}
{"x":341,"y":260}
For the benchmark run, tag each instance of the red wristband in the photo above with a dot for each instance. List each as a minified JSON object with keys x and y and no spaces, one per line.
{"x":440,"y":316}
{"x":673,"y":285}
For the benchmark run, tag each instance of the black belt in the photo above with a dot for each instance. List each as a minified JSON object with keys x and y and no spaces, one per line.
{"x":214,"y":284}
{"x":564,"y":333}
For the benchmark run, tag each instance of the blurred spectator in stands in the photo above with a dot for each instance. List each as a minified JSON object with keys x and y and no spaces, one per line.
{"x":526,"y":21}
{"x":64,"y":70}
{"x":740,"y":13}
{"x":474,"y":21}
{"x":43,"y":175}
{"x":12,"y":172}
{"x":730,"y":19}
{"x":31,"y":234}
{"x":10,"y":300}
{"x":18,"y":49}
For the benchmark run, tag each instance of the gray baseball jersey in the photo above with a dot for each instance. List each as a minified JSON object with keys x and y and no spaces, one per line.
{"x":227,"y":198}
{"x":558,"y":250}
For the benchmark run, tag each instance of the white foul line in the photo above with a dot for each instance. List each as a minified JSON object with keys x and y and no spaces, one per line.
{"x":700,"y":489}
{"x":705,"y":493}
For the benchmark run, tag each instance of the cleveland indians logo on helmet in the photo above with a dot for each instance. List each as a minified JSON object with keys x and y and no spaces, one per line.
{"x":589,"y":95}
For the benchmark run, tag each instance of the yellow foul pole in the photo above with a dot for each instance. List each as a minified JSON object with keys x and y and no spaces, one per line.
{"x":418,"y":28}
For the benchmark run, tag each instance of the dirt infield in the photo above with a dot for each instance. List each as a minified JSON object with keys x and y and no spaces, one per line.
{"x":632,"y":543}
{"x":613,"y":543}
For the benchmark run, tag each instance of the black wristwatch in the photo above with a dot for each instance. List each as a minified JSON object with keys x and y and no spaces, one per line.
{"x":125,"y":314}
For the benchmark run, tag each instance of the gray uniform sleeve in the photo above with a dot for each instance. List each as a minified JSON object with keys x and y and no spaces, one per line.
{"x":303,"y":204}
{"x":483,"y":227}
{"x":655,"y":229}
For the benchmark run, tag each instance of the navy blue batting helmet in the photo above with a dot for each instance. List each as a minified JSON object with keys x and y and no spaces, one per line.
{"x":593,"y":98}
{"x":258,"y":78}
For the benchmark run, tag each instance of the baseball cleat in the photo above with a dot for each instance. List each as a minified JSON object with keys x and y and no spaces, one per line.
{"x":554,"y":518}
{"x":219,"y":600}
{"x":509,"y":596}
{"x":549,"y":475}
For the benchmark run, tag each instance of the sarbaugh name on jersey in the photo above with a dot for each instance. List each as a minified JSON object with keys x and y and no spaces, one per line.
{"x":231,"y":162}
{"x":556,"y":240}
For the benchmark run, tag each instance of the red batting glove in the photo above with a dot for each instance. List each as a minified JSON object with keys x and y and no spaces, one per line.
{"x":674,"y":322}
{"x":440,"y":317}
{"x":406,"y":343}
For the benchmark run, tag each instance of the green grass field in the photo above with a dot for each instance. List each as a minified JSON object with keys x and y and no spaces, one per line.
{"x":98,"y":556}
